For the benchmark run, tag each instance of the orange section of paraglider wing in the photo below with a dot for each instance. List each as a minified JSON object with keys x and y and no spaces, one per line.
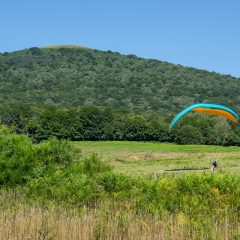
{"x":217,"y":112}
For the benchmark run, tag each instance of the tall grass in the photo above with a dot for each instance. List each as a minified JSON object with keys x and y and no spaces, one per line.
{"x":110,"y":220}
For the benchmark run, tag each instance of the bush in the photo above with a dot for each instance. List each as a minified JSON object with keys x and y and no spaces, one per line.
{"x":16,"y":158}
{"x":119,"y":186}
{"x":92,"y":166}
{"x":54,"y":151}
{"x":77,"y":184}
{"x":64,"y":187}
{"x":20,"y":160}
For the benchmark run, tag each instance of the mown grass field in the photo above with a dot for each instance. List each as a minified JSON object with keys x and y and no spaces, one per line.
{"x":144,"y":158}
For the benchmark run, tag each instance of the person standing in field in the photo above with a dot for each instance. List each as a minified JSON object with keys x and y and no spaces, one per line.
{"x":214,"y":165}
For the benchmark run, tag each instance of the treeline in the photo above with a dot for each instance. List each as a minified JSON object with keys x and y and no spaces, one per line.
{"x":96,"y":123}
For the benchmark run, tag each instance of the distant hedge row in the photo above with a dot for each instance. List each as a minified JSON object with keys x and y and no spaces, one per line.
{"x":95,"y":123}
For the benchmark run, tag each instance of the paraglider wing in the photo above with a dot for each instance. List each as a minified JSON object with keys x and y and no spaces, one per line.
{"x":214,"y":109}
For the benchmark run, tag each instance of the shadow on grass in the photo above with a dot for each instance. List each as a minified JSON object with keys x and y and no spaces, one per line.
{"x":186,"y":169}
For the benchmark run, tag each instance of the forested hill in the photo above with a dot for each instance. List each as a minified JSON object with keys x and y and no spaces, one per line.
{"x":76,"y":76}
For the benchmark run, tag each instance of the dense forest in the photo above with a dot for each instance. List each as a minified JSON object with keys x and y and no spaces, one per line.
{"x":84,"y":94}
{"x":75,"y":76}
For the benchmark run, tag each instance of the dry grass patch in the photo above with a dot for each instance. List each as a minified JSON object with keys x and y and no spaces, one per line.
{"x":40,"y":224}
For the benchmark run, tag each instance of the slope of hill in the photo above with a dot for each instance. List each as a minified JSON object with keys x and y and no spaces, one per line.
{"x":76,"y":76}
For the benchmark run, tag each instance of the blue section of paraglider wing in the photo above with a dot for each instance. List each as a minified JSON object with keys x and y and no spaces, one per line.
{"x":182,"y":113}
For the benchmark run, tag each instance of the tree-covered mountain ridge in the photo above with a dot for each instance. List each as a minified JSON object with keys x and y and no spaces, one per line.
{"x":72,"y":76}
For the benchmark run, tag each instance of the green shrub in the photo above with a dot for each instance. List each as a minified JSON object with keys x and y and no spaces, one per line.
{"x":54,"y":151}
{"x":64,"y":187}
{"x":197,"y":194}
{"x":20,"y":160}
{"x":119,"y":186}
{"x":16,"y":158}
{"x":76,"y":184}
{"x":92,"y":166}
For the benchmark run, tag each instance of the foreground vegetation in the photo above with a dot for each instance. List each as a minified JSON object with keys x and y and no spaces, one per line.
{"x":51,"y":190}
{"x":20,"y":220}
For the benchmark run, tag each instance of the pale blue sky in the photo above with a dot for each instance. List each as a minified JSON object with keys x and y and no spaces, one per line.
{"x":204,"y":34}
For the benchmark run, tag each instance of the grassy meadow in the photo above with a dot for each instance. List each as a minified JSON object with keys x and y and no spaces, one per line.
{"x":68,"y":194}
{"x":144,"y":158}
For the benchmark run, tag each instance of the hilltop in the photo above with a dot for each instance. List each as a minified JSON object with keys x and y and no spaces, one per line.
{"x":76,"y":76}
